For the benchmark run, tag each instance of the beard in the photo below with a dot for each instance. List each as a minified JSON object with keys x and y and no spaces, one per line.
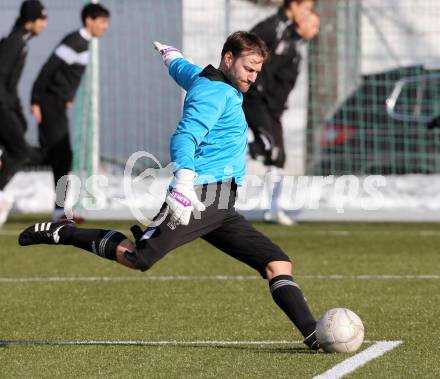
{"x":239,"y":85}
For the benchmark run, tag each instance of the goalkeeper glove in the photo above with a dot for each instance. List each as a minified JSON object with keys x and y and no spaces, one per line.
{"x":168,"y":53}
{"x":182,"y":198}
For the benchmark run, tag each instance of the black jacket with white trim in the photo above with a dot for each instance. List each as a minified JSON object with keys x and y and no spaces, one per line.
{"x":280,"y":71}
{"x":13,"y":52}
{"x":61,"y":74}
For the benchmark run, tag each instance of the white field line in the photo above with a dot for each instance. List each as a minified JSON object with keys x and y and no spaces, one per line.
{"x":292,"y":232}
{"x":145,"y":343}
{"x":345,"y":367}
{"x":370,"y":277}
{"x":56,"y":279}
{"x":152,"y":343}
{"x":353,"y":363}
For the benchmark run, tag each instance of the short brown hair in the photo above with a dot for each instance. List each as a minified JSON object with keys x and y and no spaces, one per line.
{"x":240,"y":41}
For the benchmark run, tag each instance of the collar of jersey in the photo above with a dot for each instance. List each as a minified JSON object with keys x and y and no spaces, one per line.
{"x":85,"y":34}
{"x":214,"y":74}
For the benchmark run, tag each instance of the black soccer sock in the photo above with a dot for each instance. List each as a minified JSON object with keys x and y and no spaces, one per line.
{"x":98,"y":241}
{"x":290,"y":299}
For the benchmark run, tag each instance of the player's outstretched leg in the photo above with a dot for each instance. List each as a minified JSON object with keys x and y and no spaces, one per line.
{"x":43,"y":233}
{"x":108,"y":244}
{"x":289,"y":297}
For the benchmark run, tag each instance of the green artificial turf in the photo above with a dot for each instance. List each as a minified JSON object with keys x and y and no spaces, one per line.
{"x":200,"y":307}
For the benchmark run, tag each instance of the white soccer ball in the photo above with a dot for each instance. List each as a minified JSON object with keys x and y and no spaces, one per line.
{"x":340,"y":330}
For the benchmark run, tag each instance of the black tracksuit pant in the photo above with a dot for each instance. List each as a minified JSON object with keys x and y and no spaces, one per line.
{"x":54,"y":135}
{"x":12,"y":142}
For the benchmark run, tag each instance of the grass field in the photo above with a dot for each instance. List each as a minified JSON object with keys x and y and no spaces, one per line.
{"x":187,"y":298}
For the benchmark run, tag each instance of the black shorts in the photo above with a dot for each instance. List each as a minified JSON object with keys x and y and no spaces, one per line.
{"x":268,"y":133}
{"x":219,"y":224}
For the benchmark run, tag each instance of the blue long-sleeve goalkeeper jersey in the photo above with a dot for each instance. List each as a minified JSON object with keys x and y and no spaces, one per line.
{"x":211,"y":137}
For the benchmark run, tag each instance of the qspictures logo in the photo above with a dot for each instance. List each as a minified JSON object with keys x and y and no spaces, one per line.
{"x":147,"y":190}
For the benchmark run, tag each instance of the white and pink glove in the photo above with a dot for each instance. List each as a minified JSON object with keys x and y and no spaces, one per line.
{"x":182,"y":198}
{"x":168,"y":53}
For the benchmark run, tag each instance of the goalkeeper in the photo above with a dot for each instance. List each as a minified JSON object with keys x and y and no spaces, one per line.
{"x":209,"y":151}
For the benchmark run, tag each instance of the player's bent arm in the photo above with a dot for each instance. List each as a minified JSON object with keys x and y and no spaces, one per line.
{"x":10,"y":51}
{"x":267,"y":31}
{"x":3,"y":90}
{"x":180,"y":69}
{"x":4,"y":93}
{"x":183,"y":149}
{"x":184,"y":72}
{"x":125,"y":245}
{"x":43,"y":78}
{"x":203,"y":107}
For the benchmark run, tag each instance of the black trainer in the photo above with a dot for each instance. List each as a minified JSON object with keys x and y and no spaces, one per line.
{"x":311,"y":341}
{"x":43,"y":233}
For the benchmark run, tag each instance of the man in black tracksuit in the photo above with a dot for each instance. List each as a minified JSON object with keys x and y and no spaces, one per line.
{"x":266,"y":101}
{"x":13,"y":51}
{"x":55,"y":87}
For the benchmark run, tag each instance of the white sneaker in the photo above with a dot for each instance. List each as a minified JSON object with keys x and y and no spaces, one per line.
{"x":5,"y":207}
{"x":279,"y":217}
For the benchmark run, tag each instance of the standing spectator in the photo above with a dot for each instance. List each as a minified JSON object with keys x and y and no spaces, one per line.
{"x":13,"y":51}
{"x":55,"y":87}
{"x":264,"y":104}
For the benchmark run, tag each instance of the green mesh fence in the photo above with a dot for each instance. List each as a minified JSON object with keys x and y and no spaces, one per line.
{"x":370,"y":78}
{"x":374,"y":88}
{"x":83,"y":129}
{"x":139,"y":106}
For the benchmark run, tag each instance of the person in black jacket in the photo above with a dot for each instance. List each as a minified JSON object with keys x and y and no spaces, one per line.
{"x":264,"y":104}
{"x":13,"y":51}
{"x":55,"y":87}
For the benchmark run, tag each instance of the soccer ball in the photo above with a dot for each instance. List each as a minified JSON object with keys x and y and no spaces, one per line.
{"x":340,"y":330}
